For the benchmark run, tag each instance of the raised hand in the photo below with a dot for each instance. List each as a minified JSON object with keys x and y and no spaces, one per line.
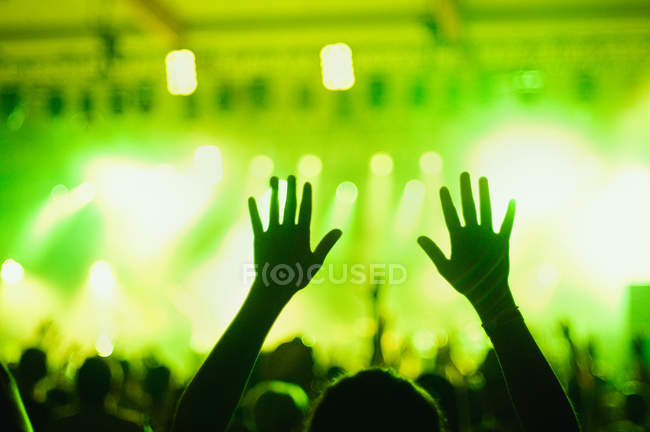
{"x":285,"y":264}
{"x":479,"y":263}
{"x":283,"y":255}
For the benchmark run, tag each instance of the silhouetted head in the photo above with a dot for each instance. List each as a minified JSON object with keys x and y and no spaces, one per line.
{"x":635,"y":408}
{"x":444,"y":393}
{"x":376,"y":400}
{"x":32,"y":367}
{"x":156,"y":382}
{"x":93,"y":381}
{"x":280,"y":406}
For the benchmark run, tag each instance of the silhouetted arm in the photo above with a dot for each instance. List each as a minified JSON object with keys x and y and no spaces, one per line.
{"x":285,"y":264}
{"x":478,"y":269}
{"x":13,"y":417}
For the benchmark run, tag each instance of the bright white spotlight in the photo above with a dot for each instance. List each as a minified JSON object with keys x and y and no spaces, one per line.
{"x":381,"y":164}
{"x":102,"y":280}
{"x":612,"y":234}
{"x":539,"y":165}
{"x":430,"y":163}
{"x":261,"y":166}
{"x":84,"y":193}
{"x":12,"y":272}
{"x":207,"y":164}
{"x":336,"y":66}
{"x":347,"y":192}
{"x":104,"y":345}
{"x":181,"y":72}
{"x":309,"y":166}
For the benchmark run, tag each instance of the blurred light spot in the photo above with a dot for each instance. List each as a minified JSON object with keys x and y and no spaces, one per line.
{"x":336,"y":66}
{"x":347,"y":192}
{"x":308,"y":340}
{"x":12,"y":272}
{"x":528,"y":80}
{"x":102,"y":280}
{"x":414,"y":191}
{"x":84,"y":193}
{"x":612,"y":234}
{"x":366,"y":326}
{"x":381,"y":164}
{"x":58,"y":191}
{"x":547,"y":275}
{"x":309,"y":166}
{"x":181,"y":72}
{"x":537,"y":164}
{"x":261,"y":166}
{"x":430,"y":163}
{"x":424,"y":342}
{"x":207,"y":163}
{"x":104,"y":346}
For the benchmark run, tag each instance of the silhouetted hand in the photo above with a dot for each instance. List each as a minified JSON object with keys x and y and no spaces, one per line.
{"x":283,"y":255}
{"x":479,"y":263}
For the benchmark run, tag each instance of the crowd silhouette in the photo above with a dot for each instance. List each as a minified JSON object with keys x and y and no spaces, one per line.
{"x":237,"y":388}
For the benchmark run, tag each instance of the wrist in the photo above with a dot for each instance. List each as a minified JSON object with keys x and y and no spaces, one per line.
{"x":496,"y":302}
{"x":270,"y":294}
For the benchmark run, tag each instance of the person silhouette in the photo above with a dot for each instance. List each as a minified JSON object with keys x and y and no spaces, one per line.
{"x":32,"y":368}
{"x":478,"y":268}
{"x":93,"y":384}
{"x":285,"y":263}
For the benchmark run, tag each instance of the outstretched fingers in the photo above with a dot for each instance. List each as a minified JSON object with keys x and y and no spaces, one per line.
{"x":304,"y":217}
{"x":449,"y":211}
{"x":256,"y":221}
{"x":486,"y":206}
{"x":274,"y":213}
{"x":289,"y":217}
{"x":435,"y":253}
{"x":467,"y":200}
{"x":326,"y":245}
{"x":508,"y":220}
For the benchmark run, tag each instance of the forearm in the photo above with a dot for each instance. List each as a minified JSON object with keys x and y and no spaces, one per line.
{"x":213,"y":394}
{"x":12,"y":411}
{"x":536,"y":393}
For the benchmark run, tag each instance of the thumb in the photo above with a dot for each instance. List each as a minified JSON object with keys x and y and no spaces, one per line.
{"x":434,"y":252}
{"x":326,"y":245}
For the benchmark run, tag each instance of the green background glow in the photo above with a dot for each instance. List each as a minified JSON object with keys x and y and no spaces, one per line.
{"x":555,"y":113}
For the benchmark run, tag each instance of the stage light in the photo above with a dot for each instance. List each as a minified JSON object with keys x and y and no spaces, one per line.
{"x":611,"y":235}
{"x":261,"y":166}
{"x":336,"y":67}
{"x":207,"y":164}
{"x":347,"y":192}
{"x":309,"y":166}
{"x":430,"y":163}
{"x":83,"y":194}
{"x":540,"y":165}
{"x":104,"y":346}
{"x":12,"y":272}
{"x":408,"y":211}
{"x":181,"y":72}
{"x":62,"y":203}
{"x":381,"y":164}
{"x":414,"y":191}
{"x":147,"y":205}
{"x":102,"y":280}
